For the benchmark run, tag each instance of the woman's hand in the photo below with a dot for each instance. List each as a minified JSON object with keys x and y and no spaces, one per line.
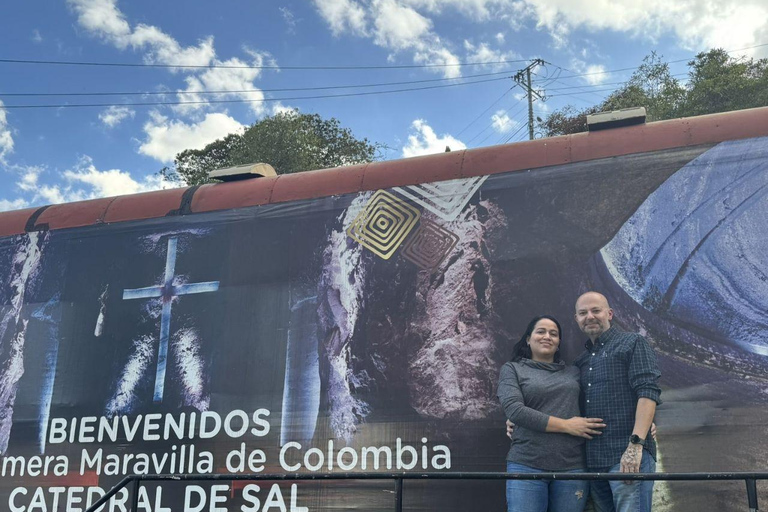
{"x":583,"y":427}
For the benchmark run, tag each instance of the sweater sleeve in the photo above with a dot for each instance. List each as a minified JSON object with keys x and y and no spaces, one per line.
{"x":511,"y":398}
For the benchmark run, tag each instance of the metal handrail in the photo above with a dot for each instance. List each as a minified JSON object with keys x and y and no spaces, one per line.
{"x":749,"y":477}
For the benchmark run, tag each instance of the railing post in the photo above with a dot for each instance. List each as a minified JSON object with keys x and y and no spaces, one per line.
{"x":135,"y":498}
{"x":752,"y":494}
{"x":398,"y":494}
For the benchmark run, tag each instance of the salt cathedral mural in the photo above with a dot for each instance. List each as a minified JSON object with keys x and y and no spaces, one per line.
{"x":365,"y":332}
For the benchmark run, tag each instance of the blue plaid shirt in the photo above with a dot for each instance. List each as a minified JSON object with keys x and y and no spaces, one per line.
{"x":617,"y":370}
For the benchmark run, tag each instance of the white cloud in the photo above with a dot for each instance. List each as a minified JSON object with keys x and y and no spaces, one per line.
{"x":112,"y":182}
{"x":29,"y":182}
{"x":424,"y":141}
{"x":500,"y":38}
{"x":102,"y":18}
{"x":484,"y":53}
{"x":289,"y":19}
{"x":6,"y":138}
{"x":343,"y":16}
{"x":696,"y":24}
{"x":439,"y":57}
{"x":165,"y":138}
{"x":279,"y":108}
{"x":36,"y":36}
{"x":12,"y":204}
{"x":83,"y":181}
{"x":232,"y":77}
{"x":392,"y":25}
{"x":115,"y":115}
{"x":593,"y":74}
{"x":476,"y":10}
{"x":28,"y":177}
{"x":398,"y":27}
{"x":502,"y":123}
{"x":229,"y":82}
{"x":54,"y":194}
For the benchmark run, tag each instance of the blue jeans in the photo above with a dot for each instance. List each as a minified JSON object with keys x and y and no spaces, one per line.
{"x":544,"y":496}
{"x":616,"y":496}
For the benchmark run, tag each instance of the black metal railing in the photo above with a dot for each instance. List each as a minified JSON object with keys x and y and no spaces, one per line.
{"x":750,"y":478}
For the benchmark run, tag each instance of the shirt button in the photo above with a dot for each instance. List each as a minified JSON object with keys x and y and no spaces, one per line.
{"x":593,"y":353}
{"x":589,"y":384}
{"x":590,"y":369}
{"x":587,"y":401}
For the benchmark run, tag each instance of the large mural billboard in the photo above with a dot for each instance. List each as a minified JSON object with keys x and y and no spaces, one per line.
{"x":365,"y":332}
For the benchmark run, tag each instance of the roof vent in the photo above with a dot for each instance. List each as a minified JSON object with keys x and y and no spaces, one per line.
{"x":616,"y":118}
{"x":243,"y":172}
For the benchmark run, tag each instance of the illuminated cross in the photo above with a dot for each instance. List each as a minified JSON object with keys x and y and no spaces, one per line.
{"x":167,"y":291}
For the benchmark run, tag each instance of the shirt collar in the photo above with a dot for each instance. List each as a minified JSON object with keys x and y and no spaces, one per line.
{"x":602,"y":339}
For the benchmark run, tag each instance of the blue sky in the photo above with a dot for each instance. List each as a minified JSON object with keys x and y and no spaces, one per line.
{"x":56,"y":154}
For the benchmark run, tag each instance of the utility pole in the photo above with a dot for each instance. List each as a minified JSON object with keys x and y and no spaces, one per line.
{"x":523,"y":78}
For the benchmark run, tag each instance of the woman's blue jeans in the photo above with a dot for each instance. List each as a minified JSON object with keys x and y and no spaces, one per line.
{"x":545,"y":496}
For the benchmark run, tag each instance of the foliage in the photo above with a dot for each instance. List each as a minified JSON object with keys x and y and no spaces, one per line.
{"x":716,"y":82}
{"x":289,"y":141}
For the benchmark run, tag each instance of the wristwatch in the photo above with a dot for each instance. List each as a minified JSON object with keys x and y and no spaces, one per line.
{"x":636,"y":439}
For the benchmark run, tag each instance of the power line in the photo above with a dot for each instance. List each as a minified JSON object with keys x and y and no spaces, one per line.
{"x":585,"y":86}
{"x":504,"y":137}
{"x":228,"y":66}
{"x":232,"y":91}
{"x":523,"y":126}
{"x":261,"y":100}
{"x":581,"y":92}
{"x":491,"y":124}
{"x":484,"y":111}
{"x":581,"y":88}
{"x":511,"y":116}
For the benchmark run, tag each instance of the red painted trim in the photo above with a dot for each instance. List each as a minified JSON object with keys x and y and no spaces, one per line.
{"x":410,"y":171}
{"x":326,"y":182}
{"x":70,"y":215}
{"x":144,"y":206}
{"x":527,"y":155}
{"x":235,"y":194}
{"x":14,"y":222}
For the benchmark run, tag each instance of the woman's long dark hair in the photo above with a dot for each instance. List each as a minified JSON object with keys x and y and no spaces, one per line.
{"x":521,"y":348}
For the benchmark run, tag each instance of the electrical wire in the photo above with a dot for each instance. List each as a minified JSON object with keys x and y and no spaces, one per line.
{"x":233,"y":91}
{"x":503,"y":137}
{"x":228,"y":66}
{"x":491,"y":124}
{"x":261,"y":100}
{"x":485,"y":111}
{"x":518,"y":131}
{"x":570,"y":87}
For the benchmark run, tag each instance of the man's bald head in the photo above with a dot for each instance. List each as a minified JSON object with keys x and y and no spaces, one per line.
{"x":593,"y":314}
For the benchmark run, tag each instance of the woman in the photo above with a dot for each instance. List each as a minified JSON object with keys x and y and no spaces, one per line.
{"x":540,"y":395}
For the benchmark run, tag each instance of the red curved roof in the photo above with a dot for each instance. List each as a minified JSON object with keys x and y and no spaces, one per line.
{"x":534,"y":154}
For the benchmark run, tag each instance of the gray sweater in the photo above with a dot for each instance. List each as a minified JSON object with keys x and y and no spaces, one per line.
{"x":530,"y":392}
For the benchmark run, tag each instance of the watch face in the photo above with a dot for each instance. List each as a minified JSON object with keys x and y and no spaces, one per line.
{"x":635,"y":439}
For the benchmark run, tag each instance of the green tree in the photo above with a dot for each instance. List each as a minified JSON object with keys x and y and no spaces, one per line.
{"x":717,"y":83}
{"x":720,"y":83}
{"x":289,"y":141}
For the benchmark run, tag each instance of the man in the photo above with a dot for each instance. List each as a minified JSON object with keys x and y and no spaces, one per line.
{"x":619,"y":380}
{"x":619,"y":376}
